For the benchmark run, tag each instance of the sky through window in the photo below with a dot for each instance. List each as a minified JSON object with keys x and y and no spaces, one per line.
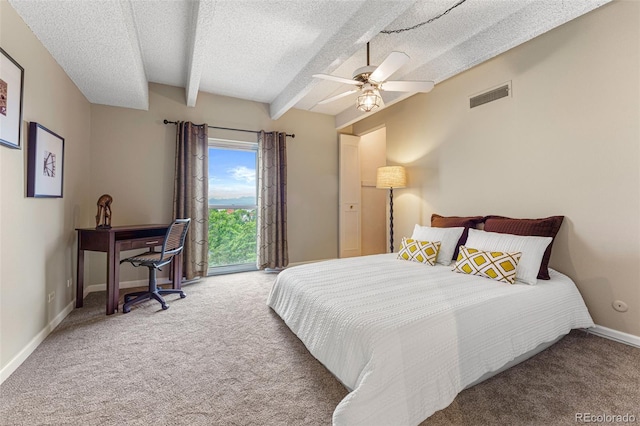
{"x":232,"y":177}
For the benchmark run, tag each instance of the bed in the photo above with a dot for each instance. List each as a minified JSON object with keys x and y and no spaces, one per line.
{"x":405,"y":338}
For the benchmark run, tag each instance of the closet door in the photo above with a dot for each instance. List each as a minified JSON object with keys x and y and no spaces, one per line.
{"x":349,"y":202}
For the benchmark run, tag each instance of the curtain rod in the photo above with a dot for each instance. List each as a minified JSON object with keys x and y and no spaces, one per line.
{"x":165,"y":121}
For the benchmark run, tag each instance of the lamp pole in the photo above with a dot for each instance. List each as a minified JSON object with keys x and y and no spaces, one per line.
{"x":391,"y":218}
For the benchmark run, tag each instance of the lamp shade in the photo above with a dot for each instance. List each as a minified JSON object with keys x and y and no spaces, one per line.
{"x":391,"y":177}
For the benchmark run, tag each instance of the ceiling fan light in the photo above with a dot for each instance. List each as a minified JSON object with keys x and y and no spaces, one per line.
{"x":368,"y":101}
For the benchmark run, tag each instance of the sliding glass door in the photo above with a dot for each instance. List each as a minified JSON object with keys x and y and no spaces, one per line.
{"x":232,"y":206}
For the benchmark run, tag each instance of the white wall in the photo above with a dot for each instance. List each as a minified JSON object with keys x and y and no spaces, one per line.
{"x":566,"y":143}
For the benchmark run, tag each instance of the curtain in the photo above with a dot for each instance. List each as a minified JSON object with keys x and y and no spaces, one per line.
{"x":191,"y":195}
{"x":272,"y":201}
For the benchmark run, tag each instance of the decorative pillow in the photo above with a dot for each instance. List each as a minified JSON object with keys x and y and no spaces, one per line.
{"x":419,"y":251}
{"x":438,"y":221}
{"x":448,"y":238}
{"x":532,"y":249}
{"x":545,"y":227}
{"x":491,"y":264}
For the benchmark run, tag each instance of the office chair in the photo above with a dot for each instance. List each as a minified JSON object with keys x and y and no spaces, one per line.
{"x":172,"y":246}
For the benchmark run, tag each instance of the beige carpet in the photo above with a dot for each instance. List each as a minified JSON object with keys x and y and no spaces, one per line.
{"x":222,"y":357}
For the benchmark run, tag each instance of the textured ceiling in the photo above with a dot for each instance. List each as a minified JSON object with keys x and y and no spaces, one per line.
{"x":268,"y":50}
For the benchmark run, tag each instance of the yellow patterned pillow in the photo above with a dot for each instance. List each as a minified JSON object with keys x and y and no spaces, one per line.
{"x":491,"y":264}
{"x":419,"y":251}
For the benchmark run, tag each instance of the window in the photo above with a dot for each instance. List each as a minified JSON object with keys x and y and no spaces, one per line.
{"x":232,"y":206}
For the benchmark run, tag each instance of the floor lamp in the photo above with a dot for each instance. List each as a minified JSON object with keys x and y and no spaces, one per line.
{"x":389,"y":177}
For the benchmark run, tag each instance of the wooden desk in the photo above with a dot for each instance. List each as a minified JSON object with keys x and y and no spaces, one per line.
{"x":113,"y":241}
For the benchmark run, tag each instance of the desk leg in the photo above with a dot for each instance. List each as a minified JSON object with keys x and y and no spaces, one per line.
{"x":80,"y":277}
{"x":116,"y":276}
{"x":111,"y":275}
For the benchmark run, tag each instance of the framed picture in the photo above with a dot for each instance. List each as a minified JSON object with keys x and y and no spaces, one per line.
{"x":45,"y":162}
{"x":11,"y":88}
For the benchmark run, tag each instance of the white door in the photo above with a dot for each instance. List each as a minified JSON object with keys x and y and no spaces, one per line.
{"x":349,"y":204}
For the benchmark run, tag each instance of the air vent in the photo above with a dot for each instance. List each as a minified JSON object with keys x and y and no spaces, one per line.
{"x":490,"y":96}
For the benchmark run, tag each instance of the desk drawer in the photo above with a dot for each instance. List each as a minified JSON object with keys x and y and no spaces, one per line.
{"x":137,"y":243}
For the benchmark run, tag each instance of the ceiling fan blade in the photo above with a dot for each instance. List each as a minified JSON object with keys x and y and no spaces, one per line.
{"x":336,"y":97}
{"x":338,"y":79}
{"x":407,"y":86}
{"x":391,"y":64}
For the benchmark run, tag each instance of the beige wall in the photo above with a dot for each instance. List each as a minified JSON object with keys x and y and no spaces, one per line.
{"x":566,"y":143}
{"x":37,"y":249}
{"x":132,"y":158}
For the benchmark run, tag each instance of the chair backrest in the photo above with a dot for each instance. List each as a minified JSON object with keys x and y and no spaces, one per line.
{"x":174,"y":239}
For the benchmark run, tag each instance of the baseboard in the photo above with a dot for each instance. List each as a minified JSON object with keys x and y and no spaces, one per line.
{"x":123,"y":284}
{"x":39,"y":338}
{"x":34,"y":343}
{"x":291,"y":265}
{"x":307,"y":261}
{"x":618,"y":336}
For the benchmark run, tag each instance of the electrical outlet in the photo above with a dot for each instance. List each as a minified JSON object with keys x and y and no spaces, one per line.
{"x":69,"y":282}
{"x":620,"y":306}
{"x":51,"y":296}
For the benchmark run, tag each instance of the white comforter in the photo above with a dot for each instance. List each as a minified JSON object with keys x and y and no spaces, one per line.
{"x":405,"y":338}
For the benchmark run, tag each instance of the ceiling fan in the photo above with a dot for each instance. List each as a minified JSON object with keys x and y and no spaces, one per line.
{"x":370,"y":80}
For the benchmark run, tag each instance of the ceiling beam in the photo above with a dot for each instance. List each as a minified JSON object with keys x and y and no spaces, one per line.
{"x":493,"y":41}
{"x":353,"y":36}
{"x":104,"y":61}
{"x":202,"y":24}
{"x":141,"y":80}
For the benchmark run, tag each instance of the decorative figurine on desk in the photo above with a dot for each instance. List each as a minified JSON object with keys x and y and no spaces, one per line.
{"x":104,"y":212}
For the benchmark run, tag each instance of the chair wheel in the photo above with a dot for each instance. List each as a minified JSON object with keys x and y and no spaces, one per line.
{"x":182,"y":295}
{"x":165,"y":307}
{"x":126,"y":310}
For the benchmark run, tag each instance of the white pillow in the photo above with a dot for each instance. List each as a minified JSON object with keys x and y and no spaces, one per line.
{"x":532,"y":249}
{"x":448,"y":238}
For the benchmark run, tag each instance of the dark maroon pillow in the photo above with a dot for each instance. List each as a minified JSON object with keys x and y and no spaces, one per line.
{"x":438,"y":221}
{"x":545,"y":227}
